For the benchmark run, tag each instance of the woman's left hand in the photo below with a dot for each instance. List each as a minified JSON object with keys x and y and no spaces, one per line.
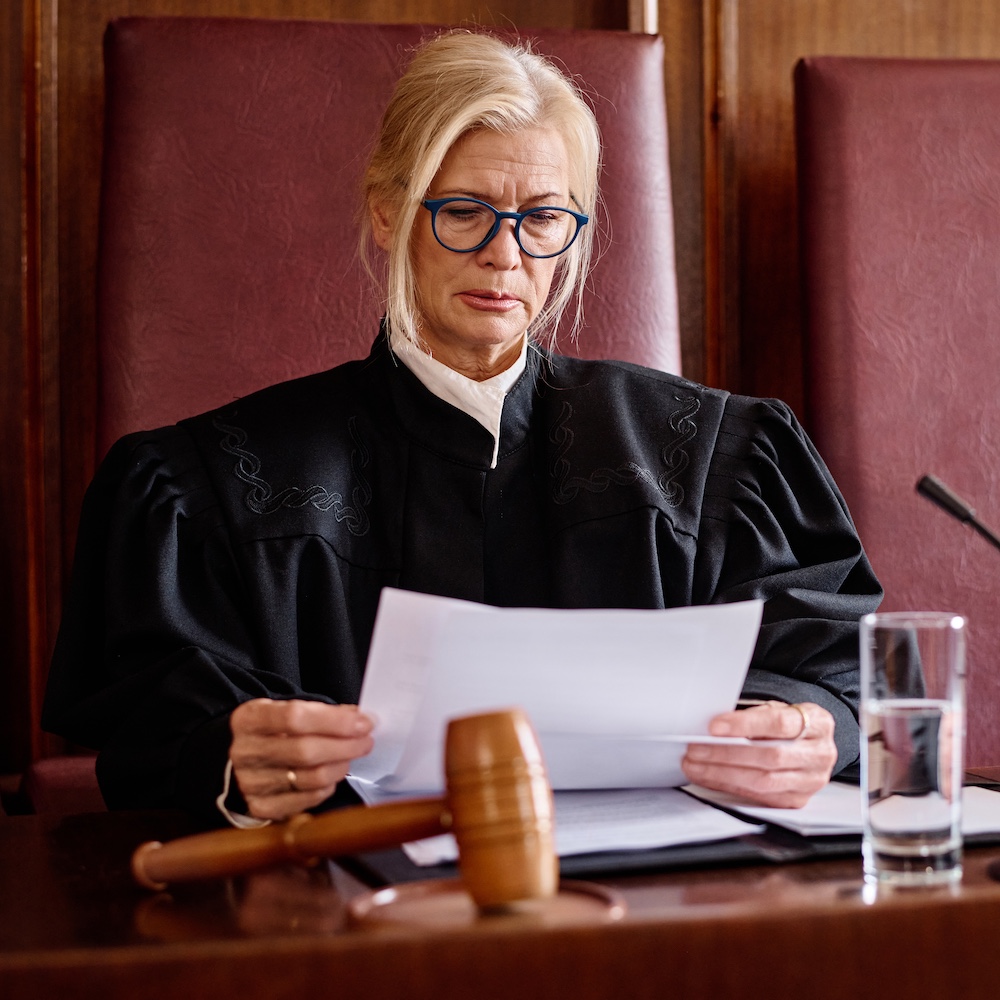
{"x":783,"y":774}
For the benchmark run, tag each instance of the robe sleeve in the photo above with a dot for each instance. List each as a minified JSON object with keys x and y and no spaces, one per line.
{"x":775,"y":527}
{"x":156,"y":646}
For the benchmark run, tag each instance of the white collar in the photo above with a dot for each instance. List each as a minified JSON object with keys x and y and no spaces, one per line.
{"x":483,"y":401}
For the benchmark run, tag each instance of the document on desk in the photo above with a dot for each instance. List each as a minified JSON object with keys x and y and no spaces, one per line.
{"x":624,"y":819}
{"x":614,"y":695}
{"x":835,"y":810}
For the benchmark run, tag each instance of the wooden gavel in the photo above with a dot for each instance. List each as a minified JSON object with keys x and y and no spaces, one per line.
{"x":497,"y":803}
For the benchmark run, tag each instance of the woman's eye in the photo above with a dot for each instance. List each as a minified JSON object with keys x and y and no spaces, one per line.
{"x":463,"y":211}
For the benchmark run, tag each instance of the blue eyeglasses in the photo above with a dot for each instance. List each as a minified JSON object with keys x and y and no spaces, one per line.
{"x":465,"y":225}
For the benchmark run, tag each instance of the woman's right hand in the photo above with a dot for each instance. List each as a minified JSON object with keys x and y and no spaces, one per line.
{"x":288,"y":756}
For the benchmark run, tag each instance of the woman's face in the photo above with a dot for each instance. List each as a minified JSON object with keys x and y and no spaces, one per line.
{"x":474,"y":308}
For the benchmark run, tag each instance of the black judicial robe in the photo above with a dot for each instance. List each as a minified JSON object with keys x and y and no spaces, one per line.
{"x":241,"y":553}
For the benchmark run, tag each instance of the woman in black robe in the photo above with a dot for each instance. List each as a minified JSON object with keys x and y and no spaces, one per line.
{"x":229,"y":567}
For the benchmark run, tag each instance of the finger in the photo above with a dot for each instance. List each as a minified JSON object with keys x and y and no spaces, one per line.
{"x":775,"y":720}
{"x":761,"y":788}
{"x":815,"y":752}
{"x":263,"y":781}
{"x":807,"y":758}
{"x":782,"y":789}
{"x":299,"y":716}
{"x":280,"y":807}
{"x":317,"y":763}
{"x":274,"y":794}
{"x":282,"y":752}
{"x":783,"y":776}
{"x":788,"y":756}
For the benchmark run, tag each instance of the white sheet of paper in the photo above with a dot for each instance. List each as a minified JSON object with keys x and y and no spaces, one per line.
{"x":601,"y":687}
{"x":685,"y":738}
{"x":616,"y":820}
{"x":836,"y":809}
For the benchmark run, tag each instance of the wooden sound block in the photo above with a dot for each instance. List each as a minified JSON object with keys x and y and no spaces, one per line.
{"x":444,"y":903}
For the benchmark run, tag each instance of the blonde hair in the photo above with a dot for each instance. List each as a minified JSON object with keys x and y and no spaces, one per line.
{"x":457,"y":82}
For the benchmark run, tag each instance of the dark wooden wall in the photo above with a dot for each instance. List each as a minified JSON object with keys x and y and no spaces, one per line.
{"x":759,"y":328}
{"x":729,"y":99}
{"x":15,"y":611}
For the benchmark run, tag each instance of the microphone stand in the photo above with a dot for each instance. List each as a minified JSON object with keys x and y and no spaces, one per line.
{"x":938,"y":493}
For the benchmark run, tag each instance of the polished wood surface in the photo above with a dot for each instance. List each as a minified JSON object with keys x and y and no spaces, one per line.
{"x":72,"y":924}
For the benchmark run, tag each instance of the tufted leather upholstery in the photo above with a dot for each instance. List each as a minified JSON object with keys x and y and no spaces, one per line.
{"x":899,"y":172}
{"x":233,"y":156}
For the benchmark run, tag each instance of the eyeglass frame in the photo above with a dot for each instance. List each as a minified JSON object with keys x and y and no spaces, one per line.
{"x":434,"y":205}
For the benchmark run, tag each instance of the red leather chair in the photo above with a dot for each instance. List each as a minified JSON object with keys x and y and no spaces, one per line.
{"x":231,"y":179}
{"x":232,"y":172}
{"x":62,"y":785}
{"x":899,"y":173}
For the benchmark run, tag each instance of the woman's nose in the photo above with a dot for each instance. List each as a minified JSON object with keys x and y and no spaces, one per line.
{"x":503,"y":251}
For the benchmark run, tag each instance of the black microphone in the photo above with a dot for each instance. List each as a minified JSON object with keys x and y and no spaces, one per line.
{"x":938,"y":493}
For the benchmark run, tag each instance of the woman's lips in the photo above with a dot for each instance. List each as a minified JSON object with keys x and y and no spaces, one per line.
{"x":489,"y":301}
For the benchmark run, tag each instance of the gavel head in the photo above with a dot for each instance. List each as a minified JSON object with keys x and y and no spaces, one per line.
{"x":501,"y":809}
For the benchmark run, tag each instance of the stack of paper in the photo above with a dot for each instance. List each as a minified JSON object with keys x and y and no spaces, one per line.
{"x":614,"y":695}
{"x":836,"y":810}
{"x":617,"y":820}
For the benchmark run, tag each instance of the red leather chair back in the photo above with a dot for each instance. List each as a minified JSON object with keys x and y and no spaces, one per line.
{"x":899,"y":172}
{"x":233,"y":157}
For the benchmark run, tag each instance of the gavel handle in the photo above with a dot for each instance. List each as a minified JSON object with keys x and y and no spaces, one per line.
{"x":303,"y":838}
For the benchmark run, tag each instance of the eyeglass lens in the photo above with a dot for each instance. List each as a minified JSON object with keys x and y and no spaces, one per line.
{"x":463,"y":225}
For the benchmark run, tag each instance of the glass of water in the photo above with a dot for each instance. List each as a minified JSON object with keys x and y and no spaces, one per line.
{"x":912,"y":742}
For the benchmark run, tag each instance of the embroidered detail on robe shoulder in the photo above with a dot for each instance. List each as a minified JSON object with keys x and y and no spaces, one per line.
{"x":674,"y":454}
{"x":262,"y":498}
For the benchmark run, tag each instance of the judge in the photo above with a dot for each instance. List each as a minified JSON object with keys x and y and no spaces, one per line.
{"x":229,"y":567}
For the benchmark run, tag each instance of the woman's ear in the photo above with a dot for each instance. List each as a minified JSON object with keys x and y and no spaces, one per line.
{"x":383,"y":225}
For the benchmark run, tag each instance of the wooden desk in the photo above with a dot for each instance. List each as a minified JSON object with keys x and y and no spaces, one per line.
{"x":74,"y":926}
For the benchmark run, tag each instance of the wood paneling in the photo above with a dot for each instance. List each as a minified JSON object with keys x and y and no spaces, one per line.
{"x":760,"y":41}
{"x":14,"y":552}
{"x":680,"y":23}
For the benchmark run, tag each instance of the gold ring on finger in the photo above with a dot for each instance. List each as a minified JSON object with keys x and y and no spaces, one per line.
{"x":804,"y":731}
